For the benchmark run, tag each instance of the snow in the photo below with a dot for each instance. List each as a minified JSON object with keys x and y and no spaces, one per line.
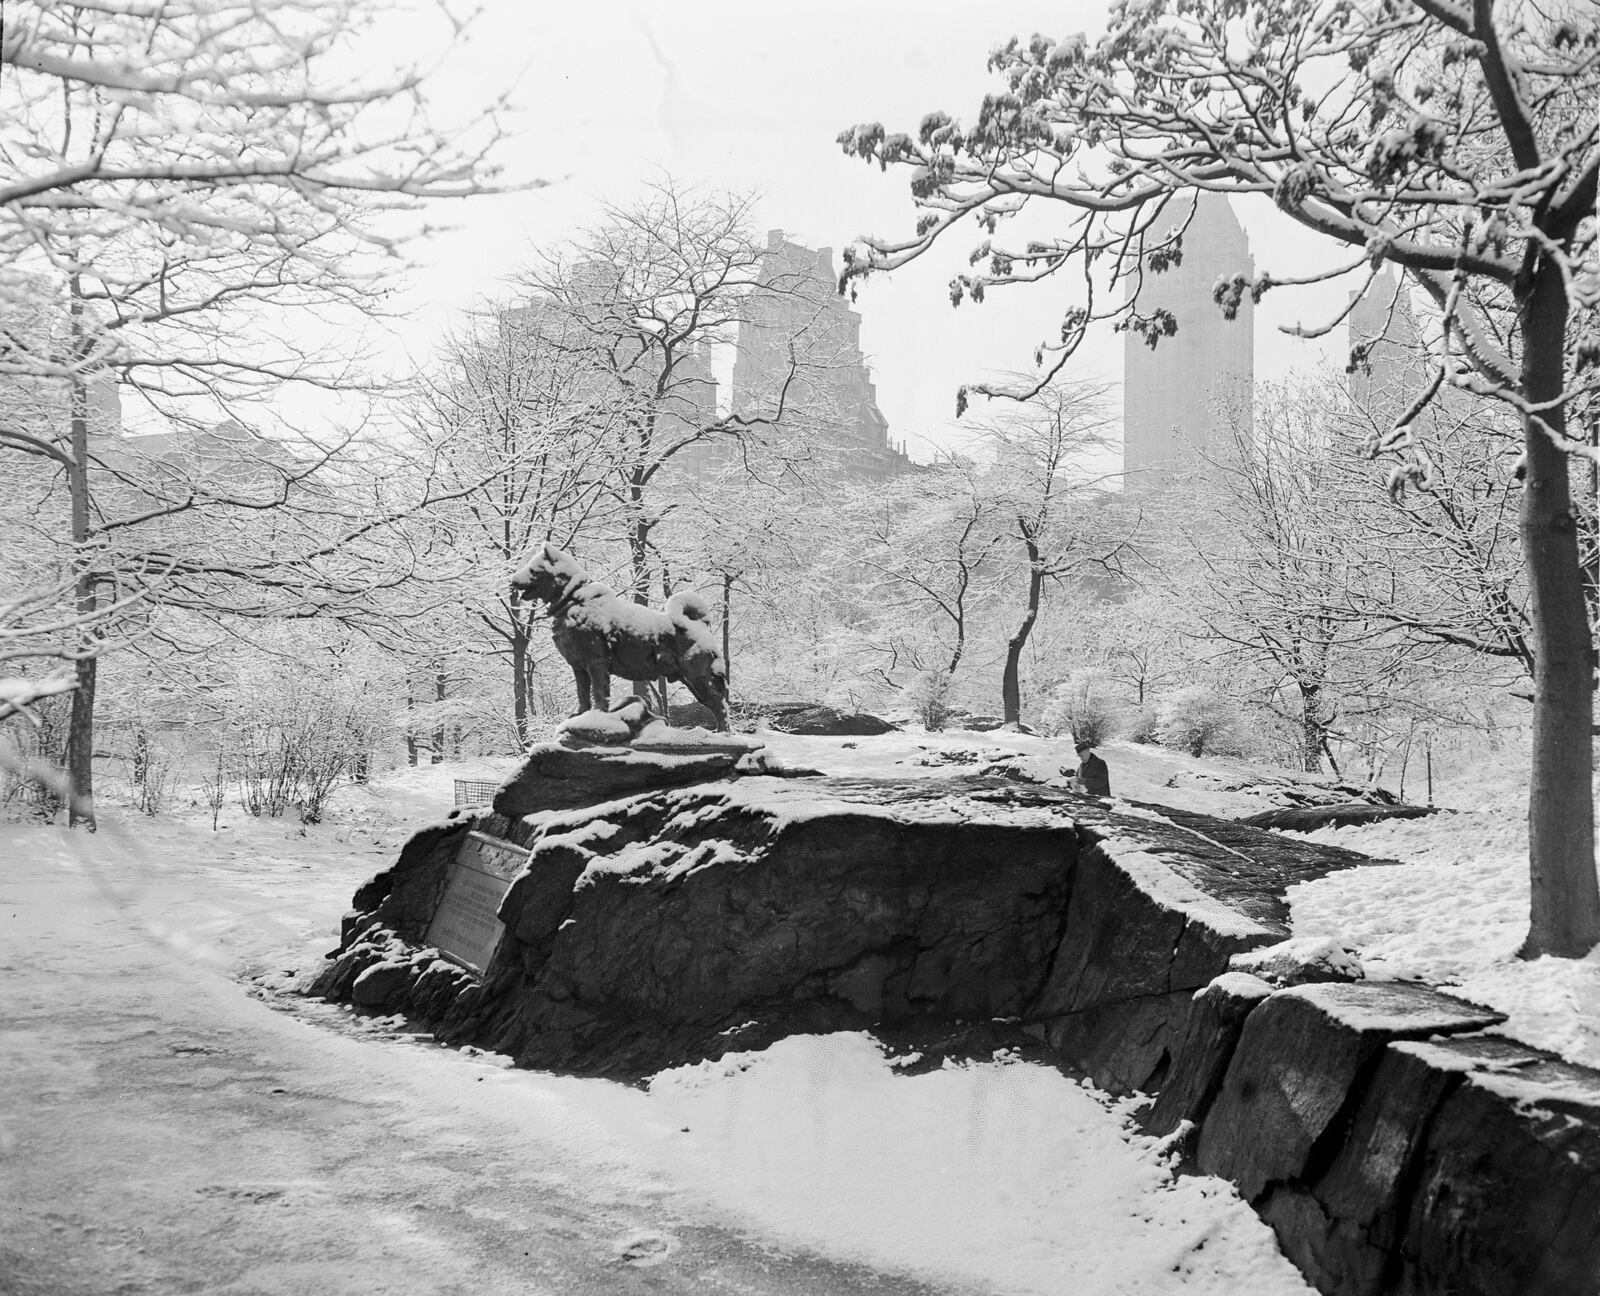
{"x":604,"y":726}
{"x":1456,"y":915}
{"x":994,"y":1176}
{"x":1288,"y":959}
{"x":999,"y":1172}
{"x":1241,"y":985}
{"x":660,"y":861}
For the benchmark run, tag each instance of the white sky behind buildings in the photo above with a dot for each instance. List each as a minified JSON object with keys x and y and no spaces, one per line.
{"x":610,"y":94}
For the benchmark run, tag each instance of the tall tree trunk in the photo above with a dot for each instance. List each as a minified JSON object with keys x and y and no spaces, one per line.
{"x":80,"y":728}
{"x":519,"y":680}
{"x":1565,"y":909}
{"x":438,"y":734}
{"x":639,"y":552}
{"x":727,"y":605}
{"x":1011,"y":680}
{"x":1313,"y":727}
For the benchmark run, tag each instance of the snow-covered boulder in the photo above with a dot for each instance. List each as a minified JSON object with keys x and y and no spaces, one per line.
{"x":1301,"y":960}
{"x":813,"y":719}
{"x":677,"y":923}
{"x":567,"y":774}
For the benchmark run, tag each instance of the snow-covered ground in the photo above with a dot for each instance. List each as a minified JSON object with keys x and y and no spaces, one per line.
{"x":1457,"y":914}
{"x":998,"y":1176}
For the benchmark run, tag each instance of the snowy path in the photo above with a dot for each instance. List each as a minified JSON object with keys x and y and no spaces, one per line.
{"x":162,"y":1131}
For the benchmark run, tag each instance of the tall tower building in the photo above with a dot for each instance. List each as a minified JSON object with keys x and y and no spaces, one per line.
{"x":1173,"y":395}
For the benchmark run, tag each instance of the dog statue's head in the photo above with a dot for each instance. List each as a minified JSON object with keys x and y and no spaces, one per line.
{"x":548,"y":577}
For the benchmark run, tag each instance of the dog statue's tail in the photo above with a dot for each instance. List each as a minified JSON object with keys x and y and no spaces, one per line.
{"x":690,"y":606}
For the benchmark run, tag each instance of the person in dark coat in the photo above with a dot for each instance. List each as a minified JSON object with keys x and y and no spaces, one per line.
{"x":1092,"y":777}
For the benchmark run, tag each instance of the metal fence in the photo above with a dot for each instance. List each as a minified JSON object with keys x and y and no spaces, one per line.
{"x":475,"y":791}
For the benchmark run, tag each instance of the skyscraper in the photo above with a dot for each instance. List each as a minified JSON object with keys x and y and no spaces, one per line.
{"x":797,"y":330}
{"x":1173,"y":394}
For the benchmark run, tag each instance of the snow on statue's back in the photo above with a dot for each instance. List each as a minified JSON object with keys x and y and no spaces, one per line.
{"x":601,"y":634}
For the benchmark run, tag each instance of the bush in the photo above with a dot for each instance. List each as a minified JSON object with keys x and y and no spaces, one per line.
{"x":32,"y":784}
{"x":295,"y":738}
{"x":1198,"y":719}
{"x":1138,"y":724}
{"x":929,"y":696}
{"x":1082,"y":705}
{"x":151,"y":776}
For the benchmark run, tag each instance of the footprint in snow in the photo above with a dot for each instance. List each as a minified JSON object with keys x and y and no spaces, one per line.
{"x":645,"y":1249}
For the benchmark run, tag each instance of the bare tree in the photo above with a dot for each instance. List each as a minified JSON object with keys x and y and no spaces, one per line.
{"x":1457,"y":141}
{"x":1281,"y":579}
{"x":1047,"y":493}
{"x":930,"y":542}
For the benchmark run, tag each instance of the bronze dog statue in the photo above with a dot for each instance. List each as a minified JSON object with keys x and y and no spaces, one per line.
{"x":602,"y":634}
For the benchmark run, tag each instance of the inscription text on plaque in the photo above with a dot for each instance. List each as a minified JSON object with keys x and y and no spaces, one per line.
{"x":466,"y":926}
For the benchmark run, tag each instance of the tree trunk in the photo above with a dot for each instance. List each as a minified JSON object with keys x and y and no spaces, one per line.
{"x":141,"y":757}
{"x":80,"y":749}
{"x":961,"y":645}
{"x":438,"y":734}
{"x":1011,"y":680}
{"x":639,"y":551}
{"x":1313,"y":728}
{"x":1565,"y":908}
{"x":727,"y":604}
{"x":80,"y":729}
{"x":519,"y":681}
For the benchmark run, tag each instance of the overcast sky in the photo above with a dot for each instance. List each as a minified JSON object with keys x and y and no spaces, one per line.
{"x":750,"y":98}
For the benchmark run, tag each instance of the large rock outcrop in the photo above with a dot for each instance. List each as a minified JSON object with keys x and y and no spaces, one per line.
{"x":677,"y":924}
{"x":1392,"y":1143}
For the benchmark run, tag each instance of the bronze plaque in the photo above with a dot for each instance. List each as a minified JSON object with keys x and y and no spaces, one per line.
{"x":466,"y":926}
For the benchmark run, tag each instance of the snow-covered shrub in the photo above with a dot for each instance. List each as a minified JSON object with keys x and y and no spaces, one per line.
{"x":294,"y":736}
{"x":151,"y":775}
{"x":1198,"y":719}
{"x":1082,"y":705}
{"x":929,"y":697}
{"x":214,"y":787}
{"x":1138,"y":724}
{"x":32,"y":784}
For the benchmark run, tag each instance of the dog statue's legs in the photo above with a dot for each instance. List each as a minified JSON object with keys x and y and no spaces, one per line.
{"x":709,"y":696}
{"x":598,"y":684}
{"x":582,"y":677}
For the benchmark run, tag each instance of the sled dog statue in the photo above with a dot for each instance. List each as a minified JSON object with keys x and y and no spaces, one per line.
{"x":602,"y":634}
